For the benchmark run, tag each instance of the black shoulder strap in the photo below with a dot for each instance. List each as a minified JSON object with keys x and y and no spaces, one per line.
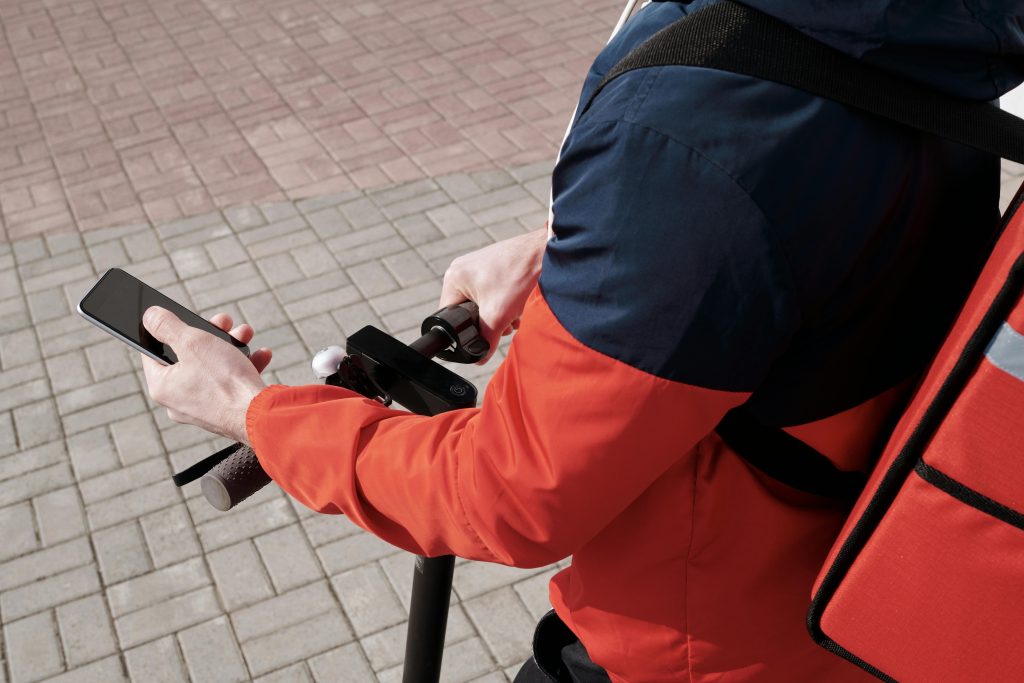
{"x":731,"y":37}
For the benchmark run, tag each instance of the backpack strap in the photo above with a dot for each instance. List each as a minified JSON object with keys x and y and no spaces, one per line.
{"x":731,"y":37}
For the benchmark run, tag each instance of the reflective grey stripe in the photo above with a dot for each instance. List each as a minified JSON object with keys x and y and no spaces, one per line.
{"x":1006,"y":351}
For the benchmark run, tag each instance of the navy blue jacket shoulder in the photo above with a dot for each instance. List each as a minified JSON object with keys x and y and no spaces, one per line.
{"x":737,"y":234}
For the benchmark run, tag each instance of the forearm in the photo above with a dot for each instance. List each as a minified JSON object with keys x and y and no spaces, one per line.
{"x":524,"y":480}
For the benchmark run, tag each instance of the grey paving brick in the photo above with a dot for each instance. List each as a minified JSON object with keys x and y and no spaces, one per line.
{"x":131,"y":505}
{"x":28,"y":250}
{"x":450,"y":219}
{"x":92,"y":453}
{"x":387,"y":648}
{"x":492,"y":179}
{"x":279,"y":211}
{"x":48,"y":304}
{"x":308,"y":637}
{"x":49,"y":592}
{"x":44,"y":563}
{"x":13,"y":312}
{"x":34,"y":483}
{"x":63,"y":242}
{"x":141,"y":246}
{"x":476,"y":578}
{"x":243,"y":218}
{"x":538,"y":170}
{"x":103,"y":414}
{"x":33,"y":648}
{"x":191,"y":261}
{"x":121,"y":552}
{"x":136,"y":438}
{"x":417,"y":229}
{"x":85,"y":631}
{"x":317,"y":332}
{"x":352,"y":551}
{"x":315,"y":259}
{"x":493,"y":198}
{"x":211,"y":653}
{"x":322,"y":529}
{"x":296,"y":673}
{"x":263,"y":312}
{"x":157,"y":586}
{"x":361,"y":237}
{"x":187,"y":225}
{"x":107,"y":670}
{"x":396,"y":301}
{"x":60,"y":515}
{"x":91,"y":237}
{"x":345,"y":664}
{"x":465,"y":661}
{"x":158,"y":661}
{"x":156,"y":272}
{"x":328,"y":222}
{"x":288,"y":557}
{"x":228,"y":529}
{"x":527,"y":206}
{"x":319,"y":303}
{"x":50,"y":279}
{"x":313,"y":204}
{"x":170,"y":536}
{"x":287,"y":609}
{"x":97,"y":394}
{"x":287,"y":241}
{"x":18,"y":348}
{"x":534,"y":592}
{"x":505,"y":230}
{"x":456,"y":245}
{"x":123,"y":480}
{"x":37,"y":423}
{"x":109,"y":358}
{"x":226,"y":286}
{"x":18,"y":529}
{"x":307,"y":287}
{"x":367,"y":598}
{"x":397,"y":194}
{"x":107,"y":255}
{"x":166,"y":617}
{"x":361,"y":213}
{"x":9,"y":283}
{"x":503,"y":622}
{"x":226,"y":251}
{"x":408,"y":268}
{"x":51,"y":266}
{"x":239,"y":575}
{"x":17,"y":395}
{"x":8,"y":438}
{"x":19,"y":375}
{"x":275,"y":229}
{"x":279,"y":269}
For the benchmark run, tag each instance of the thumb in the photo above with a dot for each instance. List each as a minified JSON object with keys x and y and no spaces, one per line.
{"x":163,"y":325}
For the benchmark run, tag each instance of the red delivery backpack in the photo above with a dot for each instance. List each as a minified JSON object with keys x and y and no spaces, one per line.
{"x":926,"y":581}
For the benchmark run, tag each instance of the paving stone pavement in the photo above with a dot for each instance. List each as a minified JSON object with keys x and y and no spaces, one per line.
{"x":107,"y":571}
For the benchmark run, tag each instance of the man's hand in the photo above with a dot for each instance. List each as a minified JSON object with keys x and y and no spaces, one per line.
{"x":498,"y":278}
{"x":212,"y":383}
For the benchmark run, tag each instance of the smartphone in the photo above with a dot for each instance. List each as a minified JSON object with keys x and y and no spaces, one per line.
{"x":115,"y":304}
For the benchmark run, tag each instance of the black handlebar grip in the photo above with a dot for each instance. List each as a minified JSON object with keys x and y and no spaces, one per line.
{"x":234,"y":479}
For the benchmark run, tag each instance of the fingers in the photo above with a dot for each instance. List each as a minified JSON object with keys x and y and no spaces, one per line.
{"x":261,"y":358}
{"x":164,"y":325}
{"x":243,"y":333}
{"x":222,"y":321}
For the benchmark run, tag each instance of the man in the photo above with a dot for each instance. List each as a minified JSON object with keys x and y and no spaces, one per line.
{"x":718,"y":241}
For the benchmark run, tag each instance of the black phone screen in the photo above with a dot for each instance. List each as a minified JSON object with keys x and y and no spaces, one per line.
{"x":118,"y":301}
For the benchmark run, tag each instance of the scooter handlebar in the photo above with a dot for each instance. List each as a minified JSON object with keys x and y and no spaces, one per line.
{"x":234,"y":479}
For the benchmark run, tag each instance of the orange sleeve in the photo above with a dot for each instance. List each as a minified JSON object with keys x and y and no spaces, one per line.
{"x":566,"y":438}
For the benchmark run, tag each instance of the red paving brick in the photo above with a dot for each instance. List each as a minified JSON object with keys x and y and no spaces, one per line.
{"x":116,"y":111}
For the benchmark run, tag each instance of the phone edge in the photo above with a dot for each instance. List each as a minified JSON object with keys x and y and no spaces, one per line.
{"x":117,"y":334}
